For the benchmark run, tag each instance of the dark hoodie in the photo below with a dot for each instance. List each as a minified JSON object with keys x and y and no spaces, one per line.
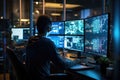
{"x":40,"y":51}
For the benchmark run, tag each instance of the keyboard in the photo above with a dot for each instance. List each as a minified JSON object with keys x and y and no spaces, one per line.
{"x":81,"y":67}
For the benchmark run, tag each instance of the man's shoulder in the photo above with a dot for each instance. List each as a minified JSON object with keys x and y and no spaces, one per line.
{"x":33,"y":38}
{"x":32,"y":41}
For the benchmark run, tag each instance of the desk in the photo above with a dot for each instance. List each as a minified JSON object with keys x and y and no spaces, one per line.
{"x":87,"y":74}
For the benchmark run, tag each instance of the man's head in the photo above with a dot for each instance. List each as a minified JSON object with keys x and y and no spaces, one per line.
{"x":43,"y":24}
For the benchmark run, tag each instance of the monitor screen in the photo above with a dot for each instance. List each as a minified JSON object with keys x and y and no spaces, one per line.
{"x":57,"y":28}
{"x":74,"y":27}
{"x":58,"y":40}
{"x":74,"y":43}
{"x":96,"y":45}
{"x":96,"y":35}
{"x":20,"y":33}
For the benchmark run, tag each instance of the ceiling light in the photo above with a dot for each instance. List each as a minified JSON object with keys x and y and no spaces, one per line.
{"x":59,"y":5}
{"x":1,"y":17}
{"x":24,"y":20}
{"x":36,"y":3}
{"x":37,"y":11}
{"x":75,"y":14}
{"x":55,"y":14}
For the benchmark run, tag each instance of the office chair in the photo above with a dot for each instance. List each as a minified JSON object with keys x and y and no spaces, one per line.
{"x":18,"y":67}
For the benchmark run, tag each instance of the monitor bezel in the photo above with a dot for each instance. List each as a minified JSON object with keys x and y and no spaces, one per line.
{"x":75,"y":20}
{"x":70,"y":49}
{"x":20,"y":28}
{"x":108,"y":37}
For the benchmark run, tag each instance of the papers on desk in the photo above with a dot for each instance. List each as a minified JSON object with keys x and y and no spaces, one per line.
{"x":81,"y":67}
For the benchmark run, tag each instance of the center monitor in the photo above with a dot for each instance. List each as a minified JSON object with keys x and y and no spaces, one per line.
{"x":74,"y":43}
{"x":74,"y":27}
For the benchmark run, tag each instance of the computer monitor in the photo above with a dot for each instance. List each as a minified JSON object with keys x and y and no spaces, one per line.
{"x":57,"y":28}
{"x":96,"y":45}
{"x":74,"y":27}
{"x":96,"y":35}
{"x":20,"y":33}
{"x":58,"y":40}
{"x":74,"y":43}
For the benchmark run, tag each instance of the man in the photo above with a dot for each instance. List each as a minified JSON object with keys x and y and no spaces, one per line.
{"x":41,"y":50}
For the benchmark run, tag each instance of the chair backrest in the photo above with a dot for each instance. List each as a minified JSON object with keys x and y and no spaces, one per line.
{"x":18,"y":68}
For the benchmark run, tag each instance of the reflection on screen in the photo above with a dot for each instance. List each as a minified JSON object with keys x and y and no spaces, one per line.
{"x":58,"y":40}
{"x":75,"y":27}
{"x":74,"y":43}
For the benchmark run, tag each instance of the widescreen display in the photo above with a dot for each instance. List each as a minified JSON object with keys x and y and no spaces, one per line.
{"x":74,"y":43}
{"x":96,"y":45}
{"x":58,"y":40}
{"x":96,"y":35}
{"x":20,"y":33}
{"x":74,"y":27}
{"x":97,"y":25}
{"x":57,"y":28}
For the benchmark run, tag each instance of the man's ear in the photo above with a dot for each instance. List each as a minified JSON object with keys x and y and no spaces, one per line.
{"x":48,"y":29}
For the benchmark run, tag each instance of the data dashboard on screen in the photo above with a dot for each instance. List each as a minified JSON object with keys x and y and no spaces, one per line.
{"x":74,"y":27}
{"x":96,"y":35}
{"x":20,"y":33}
{"x":74,"y":43}
{"x":58,"y":40}
{"x":57,"y":28}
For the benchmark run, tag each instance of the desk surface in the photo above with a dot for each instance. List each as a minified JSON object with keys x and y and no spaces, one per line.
{"x":81,"y":67}
{"x":92,"y":74}
{"x":87,"y":74}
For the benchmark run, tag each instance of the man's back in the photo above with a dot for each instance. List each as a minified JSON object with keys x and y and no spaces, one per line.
{"x":40,"y":51}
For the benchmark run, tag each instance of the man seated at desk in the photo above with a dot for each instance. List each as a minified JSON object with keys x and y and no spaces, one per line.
{"x":40,"y":51}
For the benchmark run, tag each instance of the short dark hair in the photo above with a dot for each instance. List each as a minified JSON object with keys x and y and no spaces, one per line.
{"x":43,"y":23}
